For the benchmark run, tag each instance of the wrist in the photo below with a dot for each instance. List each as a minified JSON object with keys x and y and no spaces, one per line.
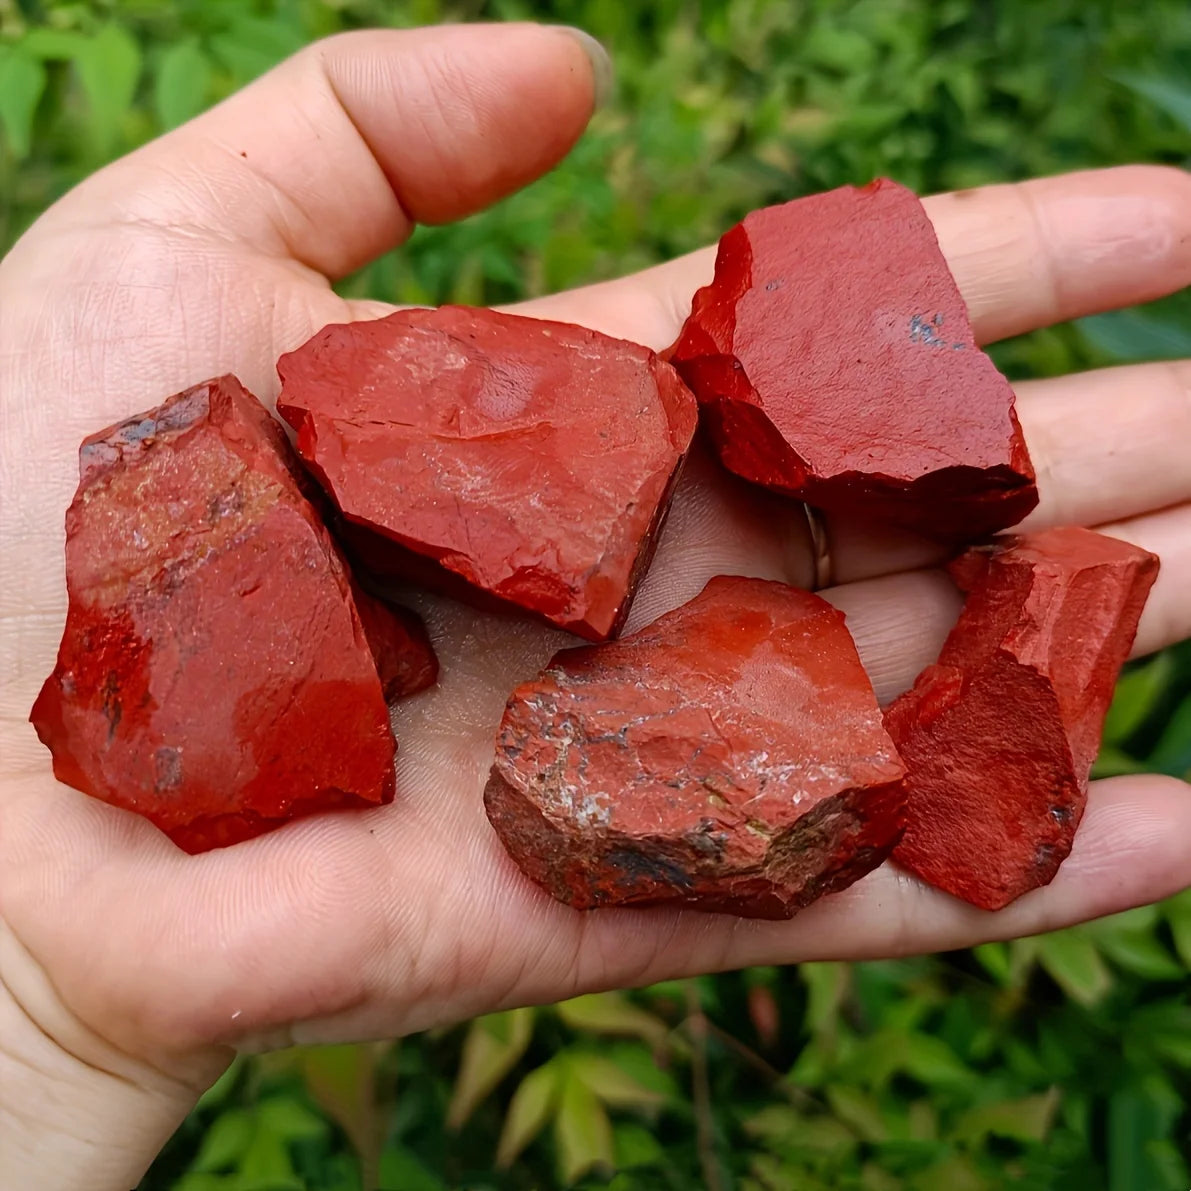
{"x":76,"y":1113}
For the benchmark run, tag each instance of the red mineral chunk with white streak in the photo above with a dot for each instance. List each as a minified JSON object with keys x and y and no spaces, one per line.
{"x":728,"y":757}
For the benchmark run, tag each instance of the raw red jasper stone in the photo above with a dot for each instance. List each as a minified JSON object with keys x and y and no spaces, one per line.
{"x":215,"y":673}
{"x":728,"y":757}
{"x":1000,"y":735}
{"x":502,"y":459}
{"x":405,"y":659}
{"x":834,"y":361}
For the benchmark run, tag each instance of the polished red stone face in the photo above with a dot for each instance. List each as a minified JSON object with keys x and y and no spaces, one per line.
{"x":1000,"y":735}
{"x":834,"y":361}
{"x":502,"y":459}
{"x":215,"y":673}
{"x":728,"y":757}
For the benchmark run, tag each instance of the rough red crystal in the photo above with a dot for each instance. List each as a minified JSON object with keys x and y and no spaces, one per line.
{"x":728,"y":757}
{"x":405,"y":659}
{"x":502,"y":459}
{"x":1000,"y":735}
{"x":834,"y":361}
{"x":215,"y":672}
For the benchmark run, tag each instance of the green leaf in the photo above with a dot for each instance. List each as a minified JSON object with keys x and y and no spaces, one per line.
{"x":955,"y":1173}
{"x":826,"y":986}
{"x":612,"y":1085}
{"x":53,"y":45}
{"x":1175,"y":1046}
{"x":1137,"y":1117}
{"x":341,"y":1081}
{"x":1168,"y":1164}
{"x":1138,"y":951}
{"x":267,"y":1166}
{"x":490,"y":1051}
{"x":1162,"y":1029}
{"x":1178,"y":915}
{"x":182,"y":84}
{"x":1114,"y":762}
{"x":637,"y":1060}
{"x":109,"y":67}
{"x":1137,"y":693}
{"x":219,"y":1091}
{"x":1023,"y":955}
{"x":859,"y":1111}
{"x":636,"y":1146}
{"x":582,"y":1131}
{"x":402,"y":1168}
{"x":1172,"y":96}
{"x":22,"y":81}
{"x":196,"y":1181}
{"x":813,"y":1067}
{"x":1071,"y":960}
{"x":1028,"y":1119}
{"x":1135,"y":335}
{"x":612,"y":1013}
{"x":922,"y":1120}
{"x":1172,"y":753}
{"x":874,"y":1178}
{"x":994,"y":959}
{"x":225,"y":1141}
{"x":783,"y":1125}
{"x":833,"y":45}
{"x":932,"y":1062}
{"x":290,"y":1120}
{"x":1023,"y":1062}
{"x":529,"y":1110}
{"x":253,"y":45}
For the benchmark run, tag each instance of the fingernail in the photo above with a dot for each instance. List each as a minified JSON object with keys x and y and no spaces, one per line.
{"x":603,"y":74}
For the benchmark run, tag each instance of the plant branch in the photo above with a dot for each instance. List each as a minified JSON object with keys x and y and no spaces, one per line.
{"x":697,"y":1026}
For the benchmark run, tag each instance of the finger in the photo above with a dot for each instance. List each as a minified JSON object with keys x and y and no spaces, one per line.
{"x":1167,"y":616}
{"x":719,"y":525}
{"x":1107,"y":446}
{"x":1025,"y":255}
{"x":1031,"y":254}
{"x":184,"y":295}
{"x":1118,"y":450}
{"x":901,"y":621}
{"x":330,"y":158}
{"x":1133,"y":847}
{"x":412,"y":915}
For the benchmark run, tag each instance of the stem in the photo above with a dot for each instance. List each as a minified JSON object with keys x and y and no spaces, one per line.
{"x":697,"y":1025}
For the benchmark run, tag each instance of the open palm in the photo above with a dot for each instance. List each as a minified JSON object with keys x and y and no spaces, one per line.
{"x":210,"y":251}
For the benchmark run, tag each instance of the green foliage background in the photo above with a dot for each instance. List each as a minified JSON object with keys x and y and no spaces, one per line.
{"x":1052,"y":1063}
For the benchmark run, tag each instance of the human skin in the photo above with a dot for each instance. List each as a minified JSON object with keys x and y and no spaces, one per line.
{"x":131,"y":972}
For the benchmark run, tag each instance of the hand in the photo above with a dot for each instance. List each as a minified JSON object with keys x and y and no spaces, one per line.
{"x":129,"y":968}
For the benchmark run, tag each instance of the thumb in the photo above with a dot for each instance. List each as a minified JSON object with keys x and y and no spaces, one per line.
{"x":332,"y":157}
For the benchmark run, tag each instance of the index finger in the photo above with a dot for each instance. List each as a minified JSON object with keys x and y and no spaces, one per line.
{"x":1025,"y":255}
